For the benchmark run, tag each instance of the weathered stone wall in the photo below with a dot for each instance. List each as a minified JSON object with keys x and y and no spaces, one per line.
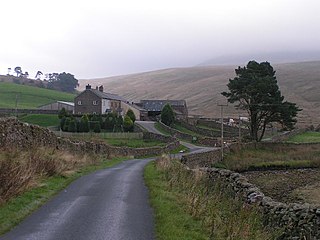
{"x":21,"y":135}
{"x":217,"y":125}
{"x":203,"y":159}
{"x":296,"y":221}
{"x":205,"y":141}
{"x":211,"y":133}
{"x":162,"y":138}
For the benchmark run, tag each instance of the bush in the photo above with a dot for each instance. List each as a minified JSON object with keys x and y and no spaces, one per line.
{"x":97,"y":127}
{"x":84,"y":124}
{"x":128,"y":124}
{"x":72,"y":126}
{"x":109,"y":122}
{"x":167,"y":115}
{"x":131,"y":115}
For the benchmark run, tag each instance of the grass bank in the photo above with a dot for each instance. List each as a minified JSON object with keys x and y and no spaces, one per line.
{"x":188,"y":206}
{"x":29,"y":179}
{"x":43,"y":120}
{"x":306,"y":137}
{"x":28,"y":96}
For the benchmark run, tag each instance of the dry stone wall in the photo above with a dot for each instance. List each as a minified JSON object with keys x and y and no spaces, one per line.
{"x":205,"y":141}
{"x":295,"y":221}
{"x":15,"y":134}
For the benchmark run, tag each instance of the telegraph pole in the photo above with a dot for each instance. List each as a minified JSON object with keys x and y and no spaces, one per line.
{"x":222,"y":142}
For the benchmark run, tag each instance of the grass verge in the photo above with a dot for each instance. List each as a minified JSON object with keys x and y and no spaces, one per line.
{"x":17,"y":208}
{"x":307,"y":137}
{"x":134,"y":143}
{"x":189,"y":206}
{"x":267,"y":158}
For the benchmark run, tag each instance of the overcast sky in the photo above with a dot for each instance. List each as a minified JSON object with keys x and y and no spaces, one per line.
{"x":95,"y":38}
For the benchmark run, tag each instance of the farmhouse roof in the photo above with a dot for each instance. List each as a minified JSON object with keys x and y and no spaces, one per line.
{"x":107,"y":95}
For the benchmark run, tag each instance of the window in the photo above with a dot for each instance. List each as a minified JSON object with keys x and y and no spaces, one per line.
{"x":95,"y":102}
{"x":79,"y":102}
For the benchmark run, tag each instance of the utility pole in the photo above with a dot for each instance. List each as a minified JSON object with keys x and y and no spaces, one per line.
{"x":239,"y":129}
{"x":17,"y":105}
{"x":222,"y":142}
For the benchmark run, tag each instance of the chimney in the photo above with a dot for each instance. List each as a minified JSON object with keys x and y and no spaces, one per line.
{"x":88,"y":86}
{"x":101,"y":88}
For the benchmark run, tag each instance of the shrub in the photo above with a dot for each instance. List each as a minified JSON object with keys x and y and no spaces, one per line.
{"x":167,"y":115}
{"x":131,"y":115}
{"x":84,"y":124}
{"x":128,"y":124}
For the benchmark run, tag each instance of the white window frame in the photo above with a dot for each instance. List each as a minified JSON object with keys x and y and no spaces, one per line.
{"x":79,"y":102}
{"x":95,"y":102}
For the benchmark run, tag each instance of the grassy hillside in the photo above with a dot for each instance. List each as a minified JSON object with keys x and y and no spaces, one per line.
{"x":29,"y":97}
{"x":201,"y":87}
{"x":43,"y":120}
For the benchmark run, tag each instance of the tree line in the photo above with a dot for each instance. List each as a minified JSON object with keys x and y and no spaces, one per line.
{"x":110,"y":122}
{"x":65,"y":82}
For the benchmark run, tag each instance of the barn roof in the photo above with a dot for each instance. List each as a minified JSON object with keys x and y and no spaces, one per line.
{"x":157,"y":105}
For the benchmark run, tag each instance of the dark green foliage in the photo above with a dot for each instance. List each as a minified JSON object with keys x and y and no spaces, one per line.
{"x":84,"y":124}
{"x":128,"y":124}
{"x":66,"y":124}
{"x":62,"y":113}
{"x":118,"y":123}
{"x":256,"y":90}
{"x":131,"y":115}
{"x":62,"y":122}
{"x":109,"y":121}
{"x":167,"y":115}
{"x":97,"y":127}
{"x":65,"y":82}
{"x":72,"y":127}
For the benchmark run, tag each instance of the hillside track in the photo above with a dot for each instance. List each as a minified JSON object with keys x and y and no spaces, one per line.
{"x":109,"y":204}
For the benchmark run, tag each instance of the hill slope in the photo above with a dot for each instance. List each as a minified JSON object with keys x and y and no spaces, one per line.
{"x":29,"y":97}
{"x":201,"y":87}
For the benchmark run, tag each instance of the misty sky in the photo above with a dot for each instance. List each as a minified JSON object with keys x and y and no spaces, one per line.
{"x":105,"y":38}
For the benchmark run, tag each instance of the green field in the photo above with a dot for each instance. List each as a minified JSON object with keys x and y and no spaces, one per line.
{"x":29,"y":97}
{"x":307,"y":137}
{"x":43,"y":120}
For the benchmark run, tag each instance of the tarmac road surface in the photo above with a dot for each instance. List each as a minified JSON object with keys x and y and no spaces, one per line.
{"x":107,"y":204}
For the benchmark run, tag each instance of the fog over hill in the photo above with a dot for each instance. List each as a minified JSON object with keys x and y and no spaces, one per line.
{"x":201,"y":87}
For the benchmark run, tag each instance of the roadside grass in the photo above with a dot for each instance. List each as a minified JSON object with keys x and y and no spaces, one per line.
{"x":28,"y":96}
{"x":180,"y":128}
{"x":180,"y":149}
{"x":17,"y":208}
{"x":307,"y":137}
{"x":159,"y":127}
{"x":263,"y":158}
{"x":208,"y":128}
{"x":43,"y":120}
{"x":189,"y":206}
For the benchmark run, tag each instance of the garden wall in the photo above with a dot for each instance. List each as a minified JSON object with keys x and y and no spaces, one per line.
{"x":203,"y":159}
{"x":15,"y":134}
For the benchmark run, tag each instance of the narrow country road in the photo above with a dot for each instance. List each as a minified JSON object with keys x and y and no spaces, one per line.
{"x":149,"y":126}
{"x":110,"y":204}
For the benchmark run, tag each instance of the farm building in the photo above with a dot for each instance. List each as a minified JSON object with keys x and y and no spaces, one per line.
{"x":58,"y":105}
